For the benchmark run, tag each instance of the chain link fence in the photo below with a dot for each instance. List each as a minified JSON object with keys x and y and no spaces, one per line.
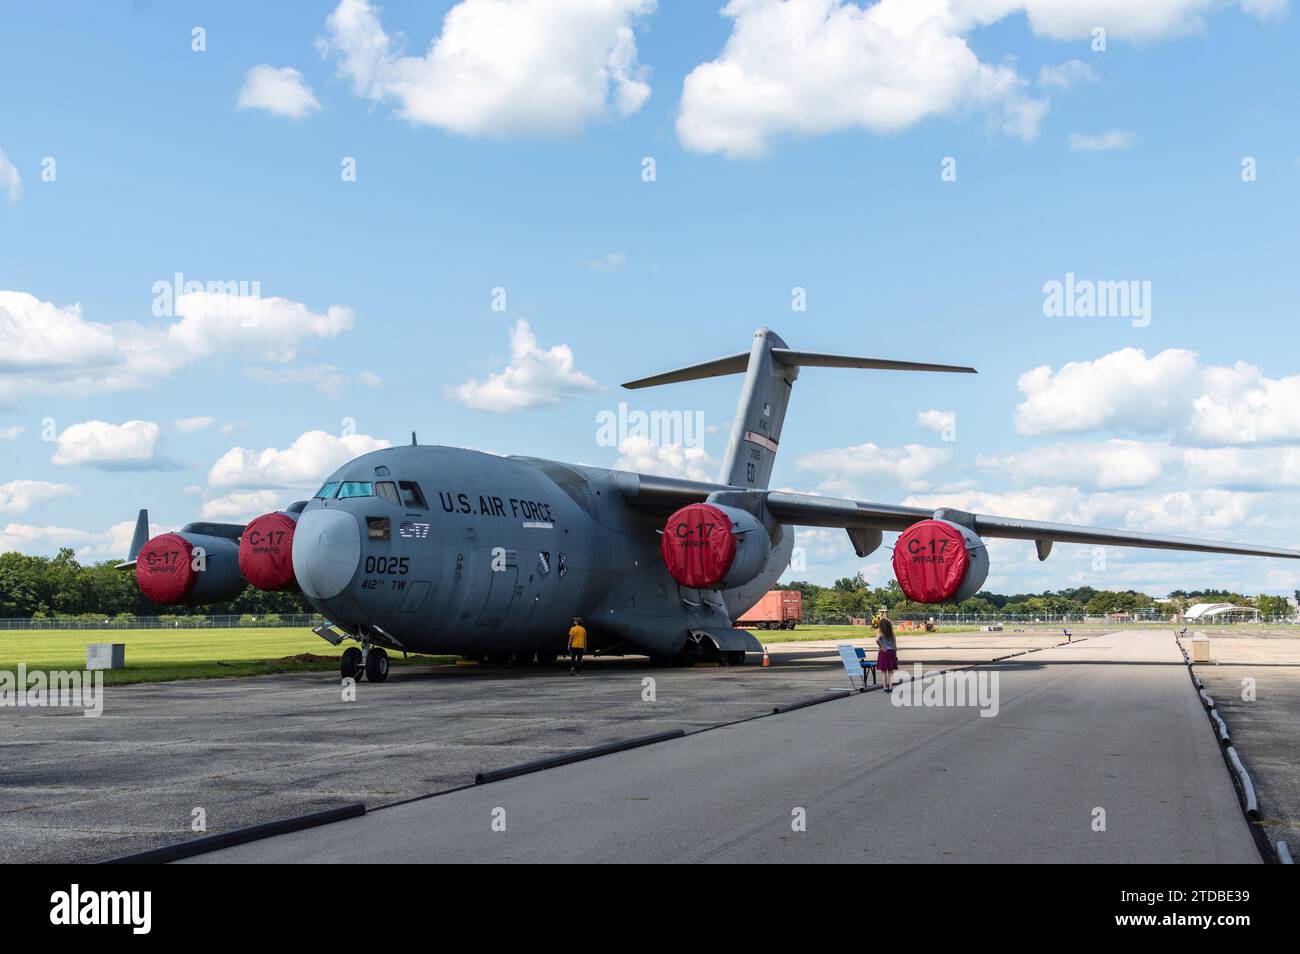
{"x":88,"y":622}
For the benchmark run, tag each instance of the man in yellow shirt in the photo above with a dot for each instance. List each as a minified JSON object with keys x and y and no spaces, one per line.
{"x":577,"y":646}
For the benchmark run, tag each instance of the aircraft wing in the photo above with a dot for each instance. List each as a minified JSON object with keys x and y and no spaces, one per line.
{"x":665,"y":494}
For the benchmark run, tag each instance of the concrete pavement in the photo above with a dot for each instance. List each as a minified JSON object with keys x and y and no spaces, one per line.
{"x":1109,"y":726}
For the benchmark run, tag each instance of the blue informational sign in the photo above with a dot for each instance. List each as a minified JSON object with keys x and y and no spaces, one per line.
{"x":849,"y":656}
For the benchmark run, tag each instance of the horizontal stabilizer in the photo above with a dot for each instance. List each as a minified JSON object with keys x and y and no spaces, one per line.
{"x":810,"y":359}
{"x":731,"y":364}
{"x":737,"y":364}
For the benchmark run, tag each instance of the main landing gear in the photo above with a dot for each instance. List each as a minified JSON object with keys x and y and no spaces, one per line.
{"x":370,"y":661}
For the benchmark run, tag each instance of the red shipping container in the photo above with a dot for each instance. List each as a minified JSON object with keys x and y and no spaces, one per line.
{"x":777,"y":609}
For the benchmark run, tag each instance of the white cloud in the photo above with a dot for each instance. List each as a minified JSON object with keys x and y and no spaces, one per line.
{"x":189,"y":425}
{"x":1122,"y":388}
{"x":230,"y":427}
{"x":1265,"y":9}
{"x":11,"y":432}
{"x":1206,"y":513}
{"x":500,"y":67}
{"x":1148,"y":20}
{"x":817,"y":66}
{"x":129,"y":446}
{"x":52,"y":348}
{"x":113,"y":543}
{"x":1239,"y":405}
{"x":280,"y":91}
{"x":1108,"y":465}
{"x":19,"y":496}
{"x":607,"y":262}
{"x":1101,"y":142}
{"x":941,"y":422}
{"x":321,"y":378}
{"x":640,"y":455}
{"x":1171,"y":391}
{"x":809,"y":67}
{"x":274,"y":328}
{"x":842,"y":468}
{"x":242,"y":506}
{"x":1256,"y":467}
{"x":533,"y":378}
{"x":11,"y":183}
{"x":328,"y":379}
{"x":1066,"y":75}
{"x":304,"y":463}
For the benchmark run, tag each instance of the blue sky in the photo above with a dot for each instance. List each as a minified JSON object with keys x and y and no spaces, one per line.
{"x":793,"y":146}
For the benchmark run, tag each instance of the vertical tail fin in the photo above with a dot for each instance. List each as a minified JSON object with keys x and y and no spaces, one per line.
{"x":138,"y":540}
{"x":756,"y":428}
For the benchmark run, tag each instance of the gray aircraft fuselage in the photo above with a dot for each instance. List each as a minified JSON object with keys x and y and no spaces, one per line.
{"x":505,"y":552}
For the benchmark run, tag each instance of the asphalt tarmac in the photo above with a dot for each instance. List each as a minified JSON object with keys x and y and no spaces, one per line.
{"x":230,"y":753}
{"x":1098,"y":753}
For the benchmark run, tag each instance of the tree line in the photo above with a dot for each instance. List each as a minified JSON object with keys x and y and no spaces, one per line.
{"x":854,"y":596}
{"x":43,"y":587}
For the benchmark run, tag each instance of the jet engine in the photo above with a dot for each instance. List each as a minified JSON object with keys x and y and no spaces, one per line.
{"x":709,"y":546}
{"x":938,"y":561}
{"x":188,"y":567}
{"x":266,"y":550}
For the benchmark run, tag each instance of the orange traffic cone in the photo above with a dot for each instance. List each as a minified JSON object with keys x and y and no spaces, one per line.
{"x":766,"y":661}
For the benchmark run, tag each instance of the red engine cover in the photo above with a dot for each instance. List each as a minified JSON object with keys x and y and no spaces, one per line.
{"x":930,"y":561}
{"x":698,"y":546}
{"x":164,"y":571}
{"x":266,"y":552}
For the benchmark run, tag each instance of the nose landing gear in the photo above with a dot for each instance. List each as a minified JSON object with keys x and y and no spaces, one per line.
{"x":370,"y":661}
{"x":350,"y":665}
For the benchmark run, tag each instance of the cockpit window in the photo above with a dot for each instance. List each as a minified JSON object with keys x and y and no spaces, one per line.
{"x":328,"y":490}
{"x":356,"y":488}
{"x":388,"y":490}
{"x":411,"y":495}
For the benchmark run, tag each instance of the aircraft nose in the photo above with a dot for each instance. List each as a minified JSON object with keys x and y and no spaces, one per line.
{"x":326,"y":552}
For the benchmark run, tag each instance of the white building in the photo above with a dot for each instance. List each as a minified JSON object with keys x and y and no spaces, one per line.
{"x":1221,"y":613}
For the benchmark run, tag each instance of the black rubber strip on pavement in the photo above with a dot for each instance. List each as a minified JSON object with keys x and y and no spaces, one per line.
{"x":538,"y":765}
{"x":240,"y":836}
{"x":832,"y":694}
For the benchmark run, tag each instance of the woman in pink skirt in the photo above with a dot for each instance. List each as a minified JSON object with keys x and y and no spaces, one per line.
{"x":887,"y":654}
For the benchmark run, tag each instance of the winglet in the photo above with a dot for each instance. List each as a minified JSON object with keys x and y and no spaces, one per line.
{"x":138,"y":540}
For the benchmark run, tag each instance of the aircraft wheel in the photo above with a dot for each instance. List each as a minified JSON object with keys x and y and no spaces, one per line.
{"x":377,"y":665}
{"x":350,"y":663}
{"x":736,"y":658}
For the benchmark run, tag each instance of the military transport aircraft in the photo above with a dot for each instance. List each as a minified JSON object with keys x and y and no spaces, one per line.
{"x":442,"y":550}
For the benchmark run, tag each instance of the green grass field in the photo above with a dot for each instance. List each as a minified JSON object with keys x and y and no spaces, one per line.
{"x":155,"y":655}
